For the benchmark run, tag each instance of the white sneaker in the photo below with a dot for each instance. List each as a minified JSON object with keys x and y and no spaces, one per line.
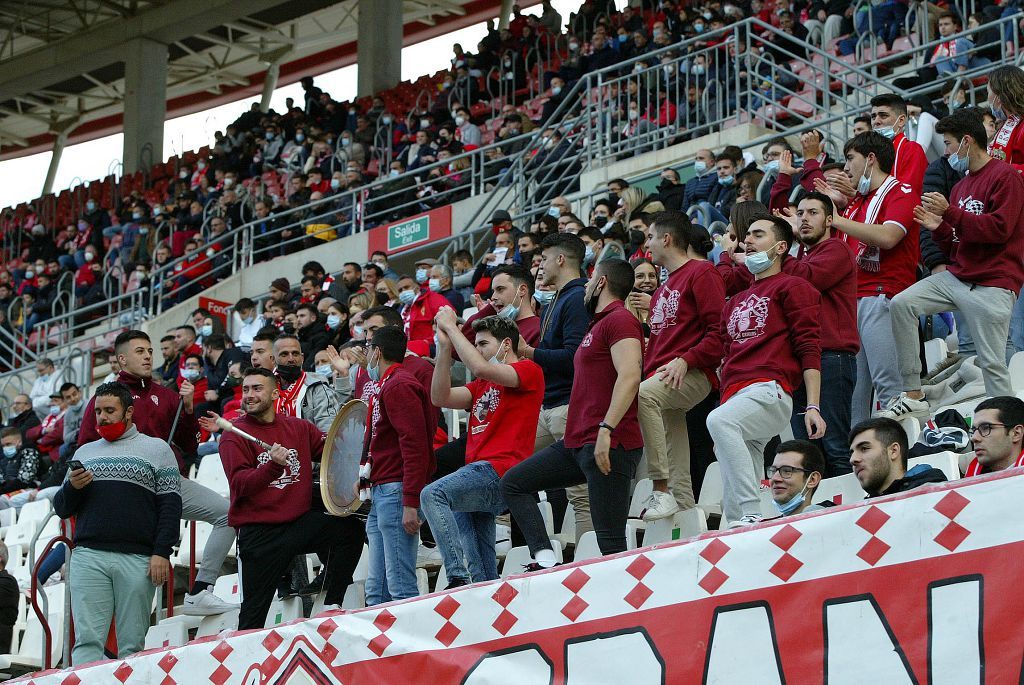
{"x":659,"y":505}
{"x":904,"y":407}
{"x":428,"y":556}
{"x":748,"y":520}
{"x":206,"y":603}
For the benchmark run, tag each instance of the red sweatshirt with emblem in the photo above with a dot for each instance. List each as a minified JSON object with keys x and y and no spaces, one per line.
{"x":401,"y":427}
{"x":263,"y":491}
{"x":983,"y":229}
{"x":772,"y":332}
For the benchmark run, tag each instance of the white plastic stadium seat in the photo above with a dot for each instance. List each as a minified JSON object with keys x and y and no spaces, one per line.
{"x":283,"y":610}
{"x":947,"y":462}
{"x":587,"y":547}
{"x":682,"y":525}
{"x":845,"y":487}
{"x":712,"y":490}
{"x":641,"y":492}
{"x":1017,"y":372}
{"x":212,"y":625}
{"x":568,"y":534}
{"x":173,"y":634}
{"x":935,"y":351}
{"x":913,"y":428}
{"x":211,"y":474}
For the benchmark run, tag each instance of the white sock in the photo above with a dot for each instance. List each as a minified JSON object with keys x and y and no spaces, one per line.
{"x":546,"y":558}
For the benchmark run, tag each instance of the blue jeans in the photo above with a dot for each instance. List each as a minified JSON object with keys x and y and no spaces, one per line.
{"x":460,"y":509}
{"x":838,"y":378}
{"x":392,"y":573}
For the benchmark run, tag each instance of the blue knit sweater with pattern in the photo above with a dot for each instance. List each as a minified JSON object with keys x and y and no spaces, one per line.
{"x":133,"y":503}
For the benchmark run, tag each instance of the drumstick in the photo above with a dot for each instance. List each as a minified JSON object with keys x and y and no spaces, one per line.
{"x":226,"y":425}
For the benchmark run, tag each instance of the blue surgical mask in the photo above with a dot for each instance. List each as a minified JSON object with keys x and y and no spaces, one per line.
{"x":494,"y":359}
{"x":771,"y":167}
{"x":325,"y":370}
{"x":793,"y":504}
{"x":10,"y":451}
{"x":510,"y":312}
{"x":90,"y":205}
{"x":335,"y":183}
{"x":249,"y":319}
{"x":998,"y":113}
{"x":422,"y":275}
{"x":136,"y":215}
{"x":435,"y":284}
{"x":544,"y":297}
{"x":299,"y":137}
{"x":698,"y":28}
{"x":759,"y":261}
{"x":555,"y":90}
{"x":864,"y":184}
{"x":54,"y":411}
{"x":958,"y":163}
{"x":206,"y":330}
{"x":357,"y":331}
{"x":407,"y":297}
{"x":270,"y":135}
{"x":190,"y":374}
{"x":333,"y":321}
{"x":588,"y":256}
{"x":726,"y":180}
{"x":374,"y":371}
{"x":887,"y":131}
{"x":700,"y":167}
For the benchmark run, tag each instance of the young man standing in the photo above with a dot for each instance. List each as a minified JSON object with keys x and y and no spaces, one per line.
{"x":981,"y":230}
{"x":879,"y":225}
{"x":997,"y":433}
{"x":270,"y":501}
{"x":127,"y":503}
{"x":772,"y":343}
{"x":683,"y":354}
{"x":399,"y":458}
{"x":795,"y":474}
{"x":879,"y":449}
{"x":602,"y":443}
{"x":889,"y":118}
{"x":503,"y":403}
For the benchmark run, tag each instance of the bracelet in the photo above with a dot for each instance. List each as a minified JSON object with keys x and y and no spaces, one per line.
{"x":611,"y":428}
{"x":814,"y":407}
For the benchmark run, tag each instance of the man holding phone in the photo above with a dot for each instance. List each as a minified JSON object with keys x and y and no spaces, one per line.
{"x":125,"y":491}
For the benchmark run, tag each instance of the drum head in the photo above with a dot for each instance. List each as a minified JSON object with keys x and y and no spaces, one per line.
{"x":339,"y":467}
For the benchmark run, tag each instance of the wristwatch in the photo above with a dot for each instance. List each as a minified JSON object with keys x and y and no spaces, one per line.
{"x":603,"y":424}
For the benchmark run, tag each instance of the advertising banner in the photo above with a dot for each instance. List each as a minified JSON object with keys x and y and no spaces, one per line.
{"x":218,"y":308}
{"x":921,"y":587}
{"x":406,"y":234}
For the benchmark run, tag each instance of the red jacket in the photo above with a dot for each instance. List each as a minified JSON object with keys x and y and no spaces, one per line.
{"x":911,"y":162}
{"x":419,"y":316}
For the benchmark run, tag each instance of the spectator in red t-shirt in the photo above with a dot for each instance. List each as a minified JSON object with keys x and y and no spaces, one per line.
{"x":889,"y":118}
{"x":503,"y":404}
{"x":602,"y":442}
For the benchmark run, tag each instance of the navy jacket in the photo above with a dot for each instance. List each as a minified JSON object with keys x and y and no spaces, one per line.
{"x":563,"y":323}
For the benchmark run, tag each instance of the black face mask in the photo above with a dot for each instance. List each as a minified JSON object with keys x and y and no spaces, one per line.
{"x":600,"y":221}
{"x":613,"y":198}
{"x":289,"y":374}
{"x":591,"y":304}
{"x":665,"y":185}
{"x":526,"y":257}
{"x":289,"y":329}
{"x":382,"y":298}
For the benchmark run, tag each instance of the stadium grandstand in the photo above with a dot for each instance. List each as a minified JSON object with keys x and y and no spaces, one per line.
{"x":640,"y":307}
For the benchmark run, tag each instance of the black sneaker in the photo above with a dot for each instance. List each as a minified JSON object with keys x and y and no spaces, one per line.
{"x":534,"y":566}
{"x":456,"y":582}
{"x":314,"y":588}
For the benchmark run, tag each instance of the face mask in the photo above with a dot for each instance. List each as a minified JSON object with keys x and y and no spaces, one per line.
{"x":210,"y":252}
{"x":507,"y":63}
{"x":289,"y":374}
{"x":588,"y":256}
{"x":333,"y":321}
{"x":78,"y":405}
{"x":864,"y":184}
{"x":958,"y":163}
{"x":249,"y":319}
{"x":269,"y":135}
{"x":136,"y":215}
{"x":424,"y":123}
{"x":697,"y":70}
{"x":183,"y":175}
{"x":232,"y":381}
{"x":555,"y":90}
{"x":544,"y":297}
{"x":407,"y":297}
{"x":526,"y":257}
{"x":633,"y":115}
{"x":143,"y":231}
{"x":623,"y":37}
{"x":887,"y":131}
{"x":382,"y":298}
{"x":698,"y":28}
{"x":386,"y":121}
{"x":206,"y":330}
{"x":793,"y":504}
{"x":30,"y":274}
{"x":325,"y":370}
{"x":10,"y":451}
{"x":201,"y":165}
{"x":357,"y":331}
{"x":190,"y":374}
{"x":90,"y":205}
{"x":422,"y":275}
{"x":374,"y":371}
{"x":112,"y":431}
{"x":54,"y":411}
{"x":759,"y":261}
{"x":299,"y":137}
{"x":771,"y":167}
{"x":335,"y":183}
{"x":574,"y":46}
{"x":394,"y":173}
{"x":345,"y":142}
{"x":726,"y":180}
{"x":700,"y":167}
{"x":554,"y":211}
{"x":591,"y":303}
{"x":495,"y":360}
{"x":998,"y":113}
{"x":435,"y":284}
{"x":459,"y":121}
{"x":510,"y":311}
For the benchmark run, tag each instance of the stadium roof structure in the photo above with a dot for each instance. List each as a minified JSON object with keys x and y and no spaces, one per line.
{"x":63,"y":62}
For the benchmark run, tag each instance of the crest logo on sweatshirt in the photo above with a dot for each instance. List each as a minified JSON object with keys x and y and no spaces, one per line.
{"x":969,"y":204}
{"x":663,"y":313}
{"x":156,"y":400}
{"x":484,"y":406}
{"x":291,"y":472}
{"x":747,"y":321}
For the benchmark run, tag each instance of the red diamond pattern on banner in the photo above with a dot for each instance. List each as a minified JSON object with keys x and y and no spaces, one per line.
{"x":506,"y":619}
{"x":272,"y":641}
{"x":787,"y":565}
{"x":574,"y":582}
{"x":505,"y":594}
{"x":713,"y":554}
{"x":640,"y":593}
{"x":330,"y":653}
{"x":71,"y":680}
{"x":446,"y":608}
{"x":383,"y":623}
{"x":327,"y":628}
{"x":169,"y":661}
{"x":220,"y":676}
{"x":786,"y":538}
{"x":221,"y":651}
{"x":950,"y":506}
{"x":874,"y":549}
{"x":168,"y":680}
{"x":123,"y":672}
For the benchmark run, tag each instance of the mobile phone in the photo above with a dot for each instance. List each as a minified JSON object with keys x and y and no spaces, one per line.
{"x":74,"y":465}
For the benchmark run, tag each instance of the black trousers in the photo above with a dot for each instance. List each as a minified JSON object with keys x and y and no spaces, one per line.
{"x":266,"y":551}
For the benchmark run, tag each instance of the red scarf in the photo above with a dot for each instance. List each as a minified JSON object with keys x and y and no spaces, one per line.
{"x":285,"y":404}
{"x":997,"y":148}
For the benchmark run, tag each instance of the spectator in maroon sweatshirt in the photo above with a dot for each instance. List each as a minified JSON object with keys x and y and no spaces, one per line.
{"x":684,"y":351}
{"x":271,"y":495}
{"x":772,"y":343}
{"x":980,"y":230}
{"x":400,"y":458}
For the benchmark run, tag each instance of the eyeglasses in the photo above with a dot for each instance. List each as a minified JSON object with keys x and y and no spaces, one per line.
{"x":786,"y":471}
{"x":985,"y":429}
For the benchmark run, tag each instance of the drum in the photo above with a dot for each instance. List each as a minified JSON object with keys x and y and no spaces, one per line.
{"x":339,"y":466}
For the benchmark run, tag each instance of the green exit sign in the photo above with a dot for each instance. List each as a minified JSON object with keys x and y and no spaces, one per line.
{"x":411,"y":232}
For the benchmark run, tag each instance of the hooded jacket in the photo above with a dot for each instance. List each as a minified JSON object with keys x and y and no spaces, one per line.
{"x":922,"y":474}
{"x":563,"y":323}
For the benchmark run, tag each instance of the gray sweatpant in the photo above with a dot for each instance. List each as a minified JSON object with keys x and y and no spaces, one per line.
{"x":987,"y":311}
{"x":878,"y":370}
{"x":200,"y":503}
{"x":740,"y":428}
